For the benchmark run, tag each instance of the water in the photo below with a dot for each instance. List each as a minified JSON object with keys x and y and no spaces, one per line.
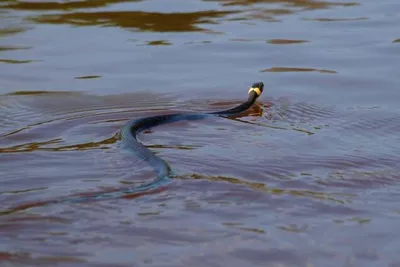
{"x":307,"y":177}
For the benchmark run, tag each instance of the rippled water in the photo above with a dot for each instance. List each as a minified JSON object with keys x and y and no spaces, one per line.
{"x":307,"y":177}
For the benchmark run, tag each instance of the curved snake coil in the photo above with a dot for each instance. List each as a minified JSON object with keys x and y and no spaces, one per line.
{"x":129,"y":141}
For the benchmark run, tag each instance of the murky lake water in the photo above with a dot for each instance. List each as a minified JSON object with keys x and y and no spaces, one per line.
{"x":307,"y":177}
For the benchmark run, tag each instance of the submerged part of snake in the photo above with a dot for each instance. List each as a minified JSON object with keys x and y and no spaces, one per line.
{"x":129,"y":142}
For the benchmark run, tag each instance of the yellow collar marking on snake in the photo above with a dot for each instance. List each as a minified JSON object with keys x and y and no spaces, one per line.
{"x":255,"y":89}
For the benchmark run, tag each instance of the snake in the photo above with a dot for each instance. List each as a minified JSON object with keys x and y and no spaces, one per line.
{"x":130,"y":143}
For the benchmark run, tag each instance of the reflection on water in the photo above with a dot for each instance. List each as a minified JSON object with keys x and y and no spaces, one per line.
{"x":306,"y":177}
{"x":69,"y":5}
{"x":291,"y":3}
{"x":5,"y":48}
{"x":286,"y":69}
{"x":144,"y":21}
{"x":10,"y":31}
{"x":11,"y":61}
{"x":157,"y":21}
{"x":283,"y":41}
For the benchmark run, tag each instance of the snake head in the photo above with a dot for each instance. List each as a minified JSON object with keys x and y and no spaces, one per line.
{"x":259,"y":85}
{"x":257,"y":88}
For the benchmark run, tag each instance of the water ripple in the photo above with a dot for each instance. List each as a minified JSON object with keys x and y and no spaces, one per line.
{"x":309,"y":176}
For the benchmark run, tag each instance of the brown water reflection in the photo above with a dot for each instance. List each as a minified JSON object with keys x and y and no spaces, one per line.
{"x":144,"y":21}
{"x":288,"y":69}
{"x":8,"y":48}
{"x":283,"y":41}
{"x":10,"y":31}
{"x":70,"y":5}
{"x":309,"y":4}
{"x":12,"y":61}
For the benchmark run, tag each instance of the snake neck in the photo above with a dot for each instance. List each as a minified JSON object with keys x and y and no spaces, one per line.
{"x":242,"y":107}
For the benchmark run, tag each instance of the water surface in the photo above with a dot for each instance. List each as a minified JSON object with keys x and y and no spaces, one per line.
{"x":307,"y":177}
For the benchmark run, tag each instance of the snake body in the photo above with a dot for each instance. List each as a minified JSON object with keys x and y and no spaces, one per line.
{"x":131,"y":129}
{"x":130,"y":142}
